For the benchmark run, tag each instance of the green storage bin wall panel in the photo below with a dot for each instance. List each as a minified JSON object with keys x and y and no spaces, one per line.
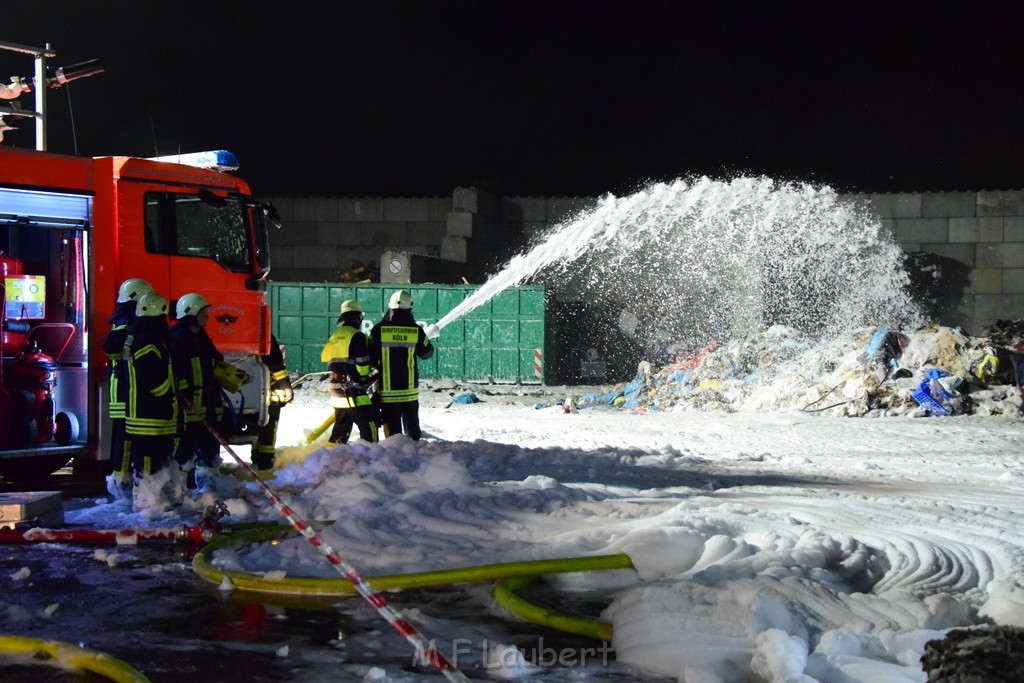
{"x":428,"y":366}
{"x":505,"y":305}
{"x":288,"y":299}
{"x":531,"y":334}
{"x":336,"y":296}
{"x":449,"y":364}
{"x":505,"y":334}
{"x":311,"y":358}
{"x":425,"y":298}
{"x":478,"y":365}
{"x":494,"y":342}
{"x":505,"y":365}
{"x":449,"y":298}
{"x":317,"y":326}
{"x":315,"y":299}
{"x":478,"y":334}
{"x":288,"y":326}
{"x":455,"y":330}
{"x":532,"y":304}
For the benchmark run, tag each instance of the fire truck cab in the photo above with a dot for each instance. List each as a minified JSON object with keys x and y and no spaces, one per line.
{"x":71,"y":230}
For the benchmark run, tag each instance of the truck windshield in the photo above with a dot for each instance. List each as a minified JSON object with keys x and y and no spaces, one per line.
{"x":202,"y":225}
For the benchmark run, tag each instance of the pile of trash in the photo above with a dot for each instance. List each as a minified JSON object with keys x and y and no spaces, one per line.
{"x":870,"y":372}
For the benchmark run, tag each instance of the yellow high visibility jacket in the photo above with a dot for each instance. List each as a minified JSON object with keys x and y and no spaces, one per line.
{"x":348,"y":359}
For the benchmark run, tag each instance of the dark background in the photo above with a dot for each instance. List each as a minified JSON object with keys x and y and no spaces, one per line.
{"x":541,"y":98}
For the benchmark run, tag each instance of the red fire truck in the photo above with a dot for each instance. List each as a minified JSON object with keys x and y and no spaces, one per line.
{"x":71,"y":230}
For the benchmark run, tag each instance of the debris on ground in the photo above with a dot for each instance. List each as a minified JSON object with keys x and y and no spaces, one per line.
{"x":464,"y":398}
{"x":934,"y":370}
{"x":981,"y":655}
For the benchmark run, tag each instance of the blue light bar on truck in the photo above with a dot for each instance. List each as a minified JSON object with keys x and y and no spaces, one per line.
{"x":216,"y":160}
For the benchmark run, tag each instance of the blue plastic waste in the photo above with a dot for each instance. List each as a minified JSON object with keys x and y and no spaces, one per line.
{"x":466,"y":398}
{"x":925,"y":400}
{"x":633,"y":391}
{"x":931,"y":395}
{"x":876,"y":342}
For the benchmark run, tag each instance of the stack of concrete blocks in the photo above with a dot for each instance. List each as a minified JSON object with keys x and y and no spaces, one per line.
{"x":484,"y":231}
{"x":981,"y":231}
{"x":481,"y":232}
{"x":323,"y":235}
{"x":539,"y":215}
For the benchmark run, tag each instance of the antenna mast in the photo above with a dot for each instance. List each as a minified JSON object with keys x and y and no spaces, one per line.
{"x":53,"y":78}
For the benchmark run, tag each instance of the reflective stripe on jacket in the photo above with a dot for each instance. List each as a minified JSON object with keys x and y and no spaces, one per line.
{"x":113,"y":344}
{"x":151,"y":408}
{"x":193,"y":358}
{"x":396,"y":342}
{"x":348,"y":359}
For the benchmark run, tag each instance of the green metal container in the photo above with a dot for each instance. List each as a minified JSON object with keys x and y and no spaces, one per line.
{"x":501,"y":341}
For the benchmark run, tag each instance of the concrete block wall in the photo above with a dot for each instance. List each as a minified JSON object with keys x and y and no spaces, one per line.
{"x":540,"y":214}
{"x":978,"y":235}
{"x":322,"y":236}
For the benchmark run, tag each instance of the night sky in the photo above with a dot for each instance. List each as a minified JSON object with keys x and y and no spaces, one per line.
{"x":541,"y":98}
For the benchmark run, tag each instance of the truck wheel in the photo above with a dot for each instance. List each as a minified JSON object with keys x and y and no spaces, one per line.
{"x":65,"y":428}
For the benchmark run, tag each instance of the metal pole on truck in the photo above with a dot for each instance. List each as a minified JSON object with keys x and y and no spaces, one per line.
{"x":39,"y":114}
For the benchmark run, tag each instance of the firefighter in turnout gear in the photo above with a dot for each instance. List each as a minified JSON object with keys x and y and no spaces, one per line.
{"x":113,"y":344}
{"x":348,"y":359}
{"x":280,"y":394}
{"x":199,"y":369}
{"x":397,"y":343}
{"x":151,"y":406}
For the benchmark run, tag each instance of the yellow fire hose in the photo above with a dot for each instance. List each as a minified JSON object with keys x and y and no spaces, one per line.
{"x":69,"y":656}
{"x":319,"y":431}
{"x":505,"y":594}
{"x":327,"y":587}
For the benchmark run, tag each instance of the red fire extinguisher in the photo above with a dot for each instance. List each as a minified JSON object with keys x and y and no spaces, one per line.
{"x":34,"y":375}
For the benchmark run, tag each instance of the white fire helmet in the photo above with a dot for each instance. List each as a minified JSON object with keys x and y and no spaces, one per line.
{"x":132,"y":289}
{"x":190,"y":304}
{"x":151,"y":304}
{"x":351,"y":306}
{"x":400,"y":299}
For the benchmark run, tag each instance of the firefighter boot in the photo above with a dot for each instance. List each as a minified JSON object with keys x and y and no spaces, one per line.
{"x":119,"y":485}
{"x":262,"y":462}
{"x":209,"y":478}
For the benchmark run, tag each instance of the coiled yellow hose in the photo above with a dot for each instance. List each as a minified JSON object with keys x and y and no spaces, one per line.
{"x":73,"y":657}
{"x":505,"y":594}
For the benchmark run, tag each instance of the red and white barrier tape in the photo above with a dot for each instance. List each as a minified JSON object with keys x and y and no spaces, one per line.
{"x":424,"y":648}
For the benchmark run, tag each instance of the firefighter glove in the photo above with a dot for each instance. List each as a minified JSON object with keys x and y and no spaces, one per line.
{"x":281,"y":391}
